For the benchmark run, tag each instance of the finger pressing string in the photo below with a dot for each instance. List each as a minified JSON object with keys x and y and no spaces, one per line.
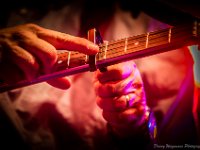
{"x":68,"y":42}
{"x":45,"y":53}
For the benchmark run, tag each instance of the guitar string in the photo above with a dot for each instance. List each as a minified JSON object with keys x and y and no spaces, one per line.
{"x":155,"y":42}
{"x":121,"y":43}
{"x":136,"y":38}
{"x":151,"y":33}
{"x":118,"y":51}
{"x":144,"y":37}
{"x":141,"y":39}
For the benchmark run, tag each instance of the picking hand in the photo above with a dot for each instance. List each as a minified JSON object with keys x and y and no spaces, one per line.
{"x":120,"y":93}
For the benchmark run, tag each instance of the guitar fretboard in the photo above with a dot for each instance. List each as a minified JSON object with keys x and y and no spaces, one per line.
{"x":141,"y":45}
{"x":112,"y":52}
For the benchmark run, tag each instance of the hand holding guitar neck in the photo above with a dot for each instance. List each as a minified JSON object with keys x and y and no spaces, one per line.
{"x":29,"y":51}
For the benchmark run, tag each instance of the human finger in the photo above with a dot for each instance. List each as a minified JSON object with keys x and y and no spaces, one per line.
{"x":116,"y":72}
{"x":113,"y":89}
{"x":61,"y":83}
{"x":45,"y":52}
{"x":117,"y":103}
{"x":24,"y":60}
{"x":68,"y":42}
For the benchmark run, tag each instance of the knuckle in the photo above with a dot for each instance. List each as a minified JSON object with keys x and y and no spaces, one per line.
{"x":52,"y":54}
{"x":108,"y":89}
{"x":19,"y":35}
{"x":30,"y":62}
{"x":32,"y":27}
{"x":120,"y":104}
{"x":49,"y":53}
{"x":24,"y":56}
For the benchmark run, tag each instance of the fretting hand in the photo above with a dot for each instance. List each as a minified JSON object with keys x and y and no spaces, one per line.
{"x":29,"y":50}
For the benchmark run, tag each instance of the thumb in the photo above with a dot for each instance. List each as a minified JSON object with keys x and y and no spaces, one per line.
{"x":61,"y":83}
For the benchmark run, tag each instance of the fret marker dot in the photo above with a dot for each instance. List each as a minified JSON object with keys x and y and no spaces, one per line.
{"x":136,"y":43}
{"x":60,"y":61}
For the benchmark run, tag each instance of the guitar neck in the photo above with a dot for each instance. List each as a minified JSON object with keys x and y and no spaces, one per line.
{"x":113,"y":52}
{"x":147,"y":44}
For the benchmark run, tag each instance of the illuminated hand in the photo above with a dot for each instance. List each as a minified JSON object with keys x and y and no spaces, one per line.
{"x":195,"y":52}
{"x":120,"y":93}
{"x":28,"y":50}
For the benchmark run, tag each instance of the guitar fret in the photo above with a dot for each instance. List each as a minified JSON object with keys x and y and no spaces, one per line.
{"x":68,"y":59}
{"x":86,"y":59}
{"x":126,"y":43}
{"x":105,"y":51}
{"x":194,"y":31}
{"x":147,"y":40}
{"x":169,"y":35}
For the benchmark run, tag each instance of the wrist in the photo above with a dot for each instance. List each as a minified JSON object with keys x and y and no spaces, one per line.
{"x":146,"y":132}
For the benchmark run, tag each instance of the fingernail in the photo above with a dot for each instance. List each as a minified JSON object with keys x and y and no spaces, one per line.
{"x":93,"y":47}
